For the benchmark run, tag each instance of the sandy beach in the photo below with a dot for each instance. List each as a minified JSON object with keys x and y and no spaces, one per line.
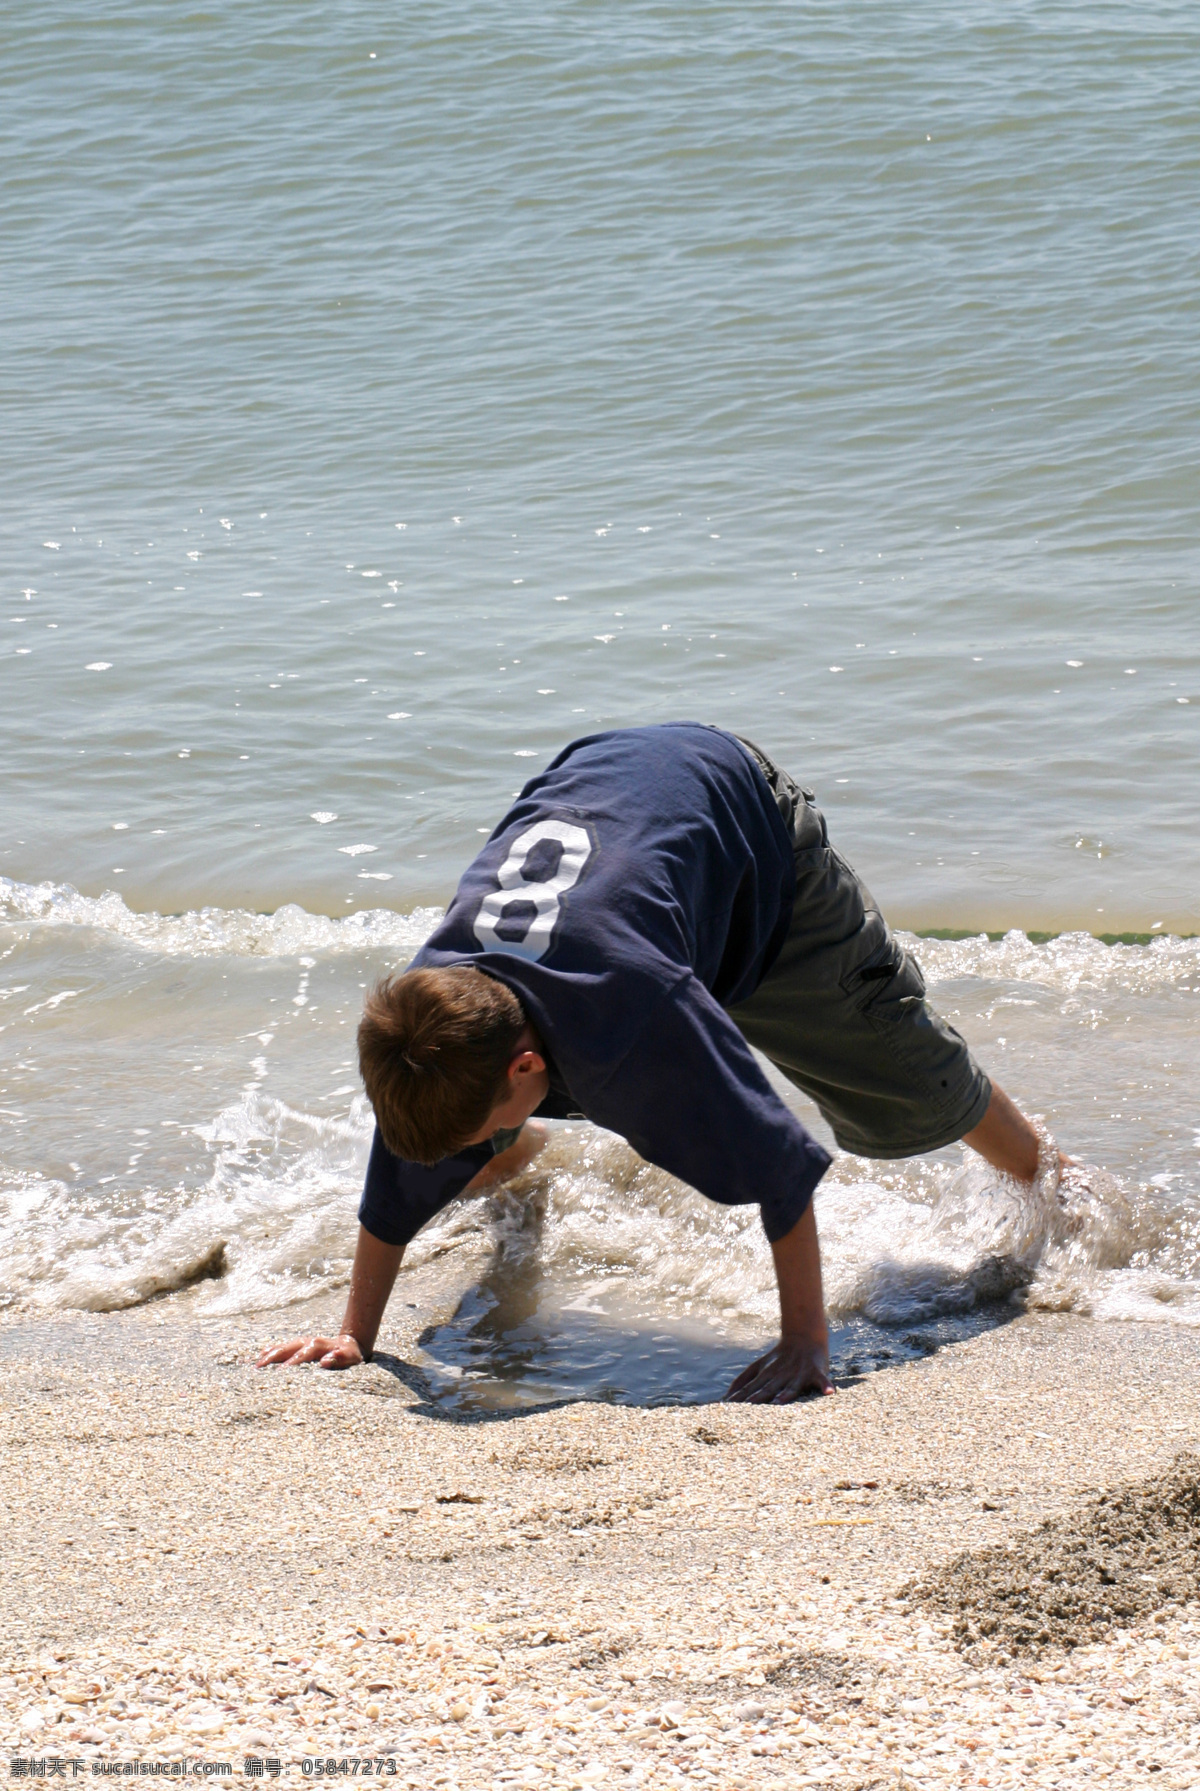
{"x":401,"y":402}
{"x":205,"y":1563}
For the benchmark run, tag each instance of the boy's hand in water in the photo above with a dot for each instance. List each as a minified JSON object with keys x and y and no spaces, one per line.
{"x":796,"y":1365}
{"x":327,"y":1352}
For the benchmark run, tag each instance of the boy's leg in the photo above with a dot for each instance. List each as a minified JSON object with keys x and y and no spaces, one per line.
{"x":842,"y":1012}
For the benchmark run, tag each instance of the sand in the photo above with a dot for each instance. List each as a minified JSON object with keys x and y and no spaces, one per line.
{"x":205,"y":1562}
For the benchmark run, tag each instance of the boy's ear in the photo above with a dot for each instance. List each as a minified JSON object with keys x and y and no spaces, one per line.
{"x":527,"y":1062}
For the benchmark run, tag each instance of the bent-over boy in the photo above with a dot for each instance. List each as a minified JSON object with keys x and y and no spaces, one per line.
{"x":656,"y":902}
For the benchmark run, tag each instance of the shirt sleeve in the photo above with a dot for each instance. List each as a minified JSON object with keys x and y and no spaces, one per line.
{"x":691,"y":1098}
{"x":399,"y":1197}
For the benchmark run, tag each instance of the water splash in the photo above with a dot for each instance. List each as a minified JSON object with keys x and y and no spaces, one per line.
{"x":224,"y":1155}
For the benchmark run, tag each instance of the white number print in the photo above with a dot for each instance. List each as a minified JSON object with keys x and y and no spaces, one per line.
{"x":576,"y":850}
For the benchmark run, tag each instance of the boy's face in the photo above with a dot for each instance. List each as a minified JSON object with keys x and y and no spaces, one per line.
{"x":526,"y":1084}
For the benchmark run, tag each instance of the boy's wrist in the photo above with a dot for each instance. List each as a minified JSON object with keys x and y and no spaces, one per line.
{"x":807,"y":1337}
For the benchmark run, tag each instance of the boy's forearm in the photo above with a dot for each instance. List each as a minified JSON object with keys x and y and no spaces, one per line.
{"x":798,"y":1272}
{"x":372,"y":1278}
{"x":799,"y":1362}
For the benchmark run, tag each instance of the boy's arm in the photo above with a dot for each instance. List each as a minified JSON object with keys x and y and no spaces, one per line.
{"x":799,"y":1362}
{"x":530,"y":1140}
{"x":376,"y":1266}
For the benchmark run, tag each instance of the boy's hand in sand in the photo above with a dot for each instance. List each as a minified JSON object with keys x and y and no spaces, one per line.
{"x":799,"y":1362}
{"x":376,"y":1266}
{"x":327,"y":1352}
{"x":796,"y":1365}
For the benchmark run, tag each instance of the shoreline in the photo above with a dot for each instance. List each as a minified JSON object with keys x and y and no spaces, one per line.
{"x":953,"y":935}
{"x":209,"y":1560}
{"x":1133,"y":929}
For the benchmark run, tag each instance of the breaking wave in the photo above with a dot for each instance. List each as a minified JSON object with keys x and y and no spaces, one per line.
{"x":249,"y":1203}
{"x":212,"y":932}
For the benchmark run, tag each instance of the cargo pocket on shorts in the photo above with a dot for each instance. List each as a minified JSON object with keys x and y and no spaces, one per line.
{"x":886,"y":974}
{"x":888,"y":990}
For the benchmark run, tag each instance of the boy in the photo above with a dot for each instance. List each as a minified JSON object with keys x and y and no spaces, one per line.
{"x":658,"y":900}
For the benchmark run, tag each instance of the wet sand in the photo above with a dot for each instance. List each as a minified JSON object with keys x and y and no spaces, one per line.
{"x":207,"y":1561}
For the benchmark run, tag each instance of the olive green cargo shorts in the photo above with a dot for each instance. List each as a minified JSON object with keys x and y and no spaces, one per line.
{"x":842,"y":1010}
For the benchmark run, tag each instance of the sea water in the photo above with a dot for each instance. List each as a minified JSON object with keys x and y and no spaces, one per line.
{"x":390,"y":398}
{"x":181,"y":1108}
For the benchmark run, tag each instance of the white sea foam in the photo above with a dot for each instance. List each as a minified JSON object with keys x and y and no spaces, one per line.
{"x":209,"y":932}
{"x":275,"y":1221}
{"x":253,"y":1196}
{"x":902,"y":1244}
{"x":272,"y":1223}
{"x":271,"y":1234}
{"x":1072,"y":963}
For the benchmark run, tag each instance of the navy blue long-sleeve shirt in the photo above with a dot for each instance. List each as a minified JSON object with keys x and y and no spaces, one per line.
{"x":638,"y":887}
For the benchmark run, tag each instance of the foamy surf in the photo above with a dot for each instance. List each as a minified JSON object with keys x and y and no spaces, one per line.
{"x":180,"y":1115}
{"x":901,"y":1244}
{"x":217,"y":932}
{"x":609,"y":1280}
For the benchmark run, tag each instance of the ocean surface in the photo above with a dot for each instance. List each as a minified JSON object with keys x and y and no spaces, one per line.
{"x":463,"y":379}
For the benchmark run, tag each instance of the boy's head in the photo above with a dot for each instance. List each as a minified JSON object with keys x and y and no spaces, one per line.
{"x":441,"y":1052}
